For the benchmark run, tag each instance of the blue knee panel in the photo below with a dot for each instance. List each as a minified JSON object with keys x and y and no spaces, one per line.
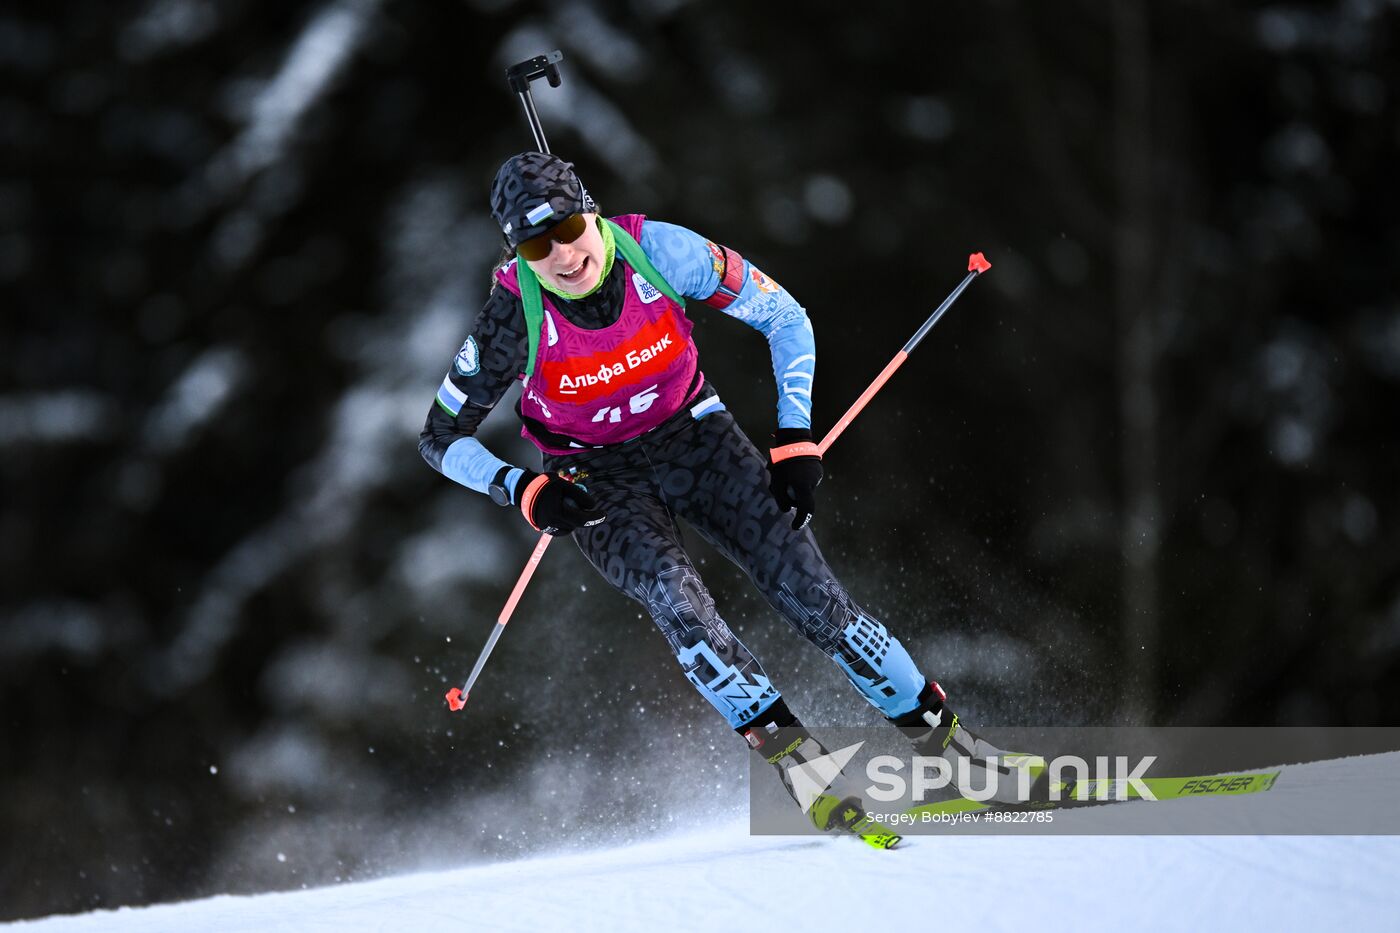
{"x":738,"y":696}
{"x":894,"y":690}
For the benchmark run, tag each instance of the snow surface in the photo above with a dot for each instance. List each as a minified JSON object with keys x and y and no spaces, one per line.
{"x":722,"y":878}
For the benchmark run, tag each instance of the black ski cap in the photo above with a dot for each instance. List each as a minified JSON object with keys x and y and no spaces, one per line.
{"x":533,"y":192}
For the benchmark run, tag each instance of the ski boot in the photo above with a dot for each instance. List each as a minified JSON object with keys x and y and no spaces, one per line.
{"x":812,"y":778}
{"x":974,"y":762}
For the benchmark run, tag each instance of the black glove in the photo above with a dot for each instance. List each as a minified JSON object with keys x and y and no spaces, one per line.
{"x":795,"y":472}
{"x":555,"y":505}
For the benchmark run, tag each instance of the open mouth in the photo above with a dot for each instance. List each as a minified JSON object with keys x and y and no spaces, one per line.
{"x":575,"y":273}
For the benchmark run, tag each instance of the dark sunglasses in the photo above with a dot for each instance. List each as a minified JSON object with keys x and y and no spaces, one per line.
{"x":566,"y":231}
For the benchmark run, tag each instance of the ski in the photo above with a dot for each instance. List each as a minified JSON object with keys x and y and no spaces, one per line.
{"x":846,"y":815}
{"x":1100,"y":792}
{"x":885,"y":840}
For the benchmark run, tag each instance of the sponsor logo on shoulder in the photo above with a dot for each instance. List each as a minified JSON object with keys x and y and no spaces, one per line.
{"x":764,"y":283}
{"x":645,"y":290}
{"x":468,"y":362}
{"x":716,"y":259}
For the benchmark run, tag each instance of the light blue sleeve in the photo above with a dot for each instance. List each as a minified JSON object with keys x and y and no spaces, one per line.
{"x":472,"y":465}
{"x":685,"y":260}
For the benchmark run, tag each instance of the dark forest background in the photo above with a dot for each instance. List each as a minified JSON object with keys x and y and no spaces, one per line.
{"x":1144,"y":471}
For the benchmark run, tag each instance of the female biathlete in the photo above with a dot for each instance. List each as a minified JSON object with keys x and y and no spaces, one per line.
{"x":590,"y":314}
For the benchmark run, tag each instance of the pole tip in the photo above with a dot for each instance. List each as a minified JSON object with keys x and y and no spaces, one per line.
{"x":456,"y":699}
{"x":978,"y":263}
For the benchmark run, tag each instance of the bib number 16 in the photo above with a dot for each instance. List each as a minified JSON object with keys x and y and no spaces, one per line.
{"x":635,"y":405}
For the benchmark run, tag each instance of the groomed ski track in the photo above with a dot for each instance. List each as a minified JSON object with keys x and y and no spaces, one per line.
{"x":721,"y":878}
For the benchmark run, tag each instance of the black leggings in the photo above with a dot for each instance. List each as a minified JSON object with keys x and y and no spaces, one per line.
{"x":709,"y":473}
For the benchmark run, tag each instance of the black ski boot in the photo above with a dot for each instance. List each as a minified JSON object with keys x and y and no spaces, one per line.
{"x":828,"y":799}
{"x":974,"y":762}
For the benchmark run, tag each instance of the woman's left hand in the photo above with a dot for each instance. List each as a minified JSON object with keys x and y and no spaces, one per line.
{"x":795,"y":472}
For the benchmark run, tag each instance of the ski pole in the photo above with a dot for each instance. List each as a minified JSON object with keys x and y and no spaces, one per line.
{"x":976,"y":265}
{"x":457,"y":696}
{"x":546,"y":66}
{"x":519,"y":77}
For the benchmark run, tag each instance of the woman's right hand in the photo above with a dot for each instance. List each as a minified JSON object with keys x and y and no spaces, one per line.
{"x":556,"y":506}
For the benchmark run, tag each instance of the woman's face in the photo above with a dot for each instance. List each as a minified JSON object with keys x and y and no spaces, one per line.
{"x":573,"y":267}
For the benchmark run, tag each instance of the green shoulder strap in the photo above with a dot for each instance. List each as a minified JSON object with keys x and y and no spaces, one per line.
{"x":534,"y":310}
{"x":632,"y":252}
{"x":534,"y":304}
